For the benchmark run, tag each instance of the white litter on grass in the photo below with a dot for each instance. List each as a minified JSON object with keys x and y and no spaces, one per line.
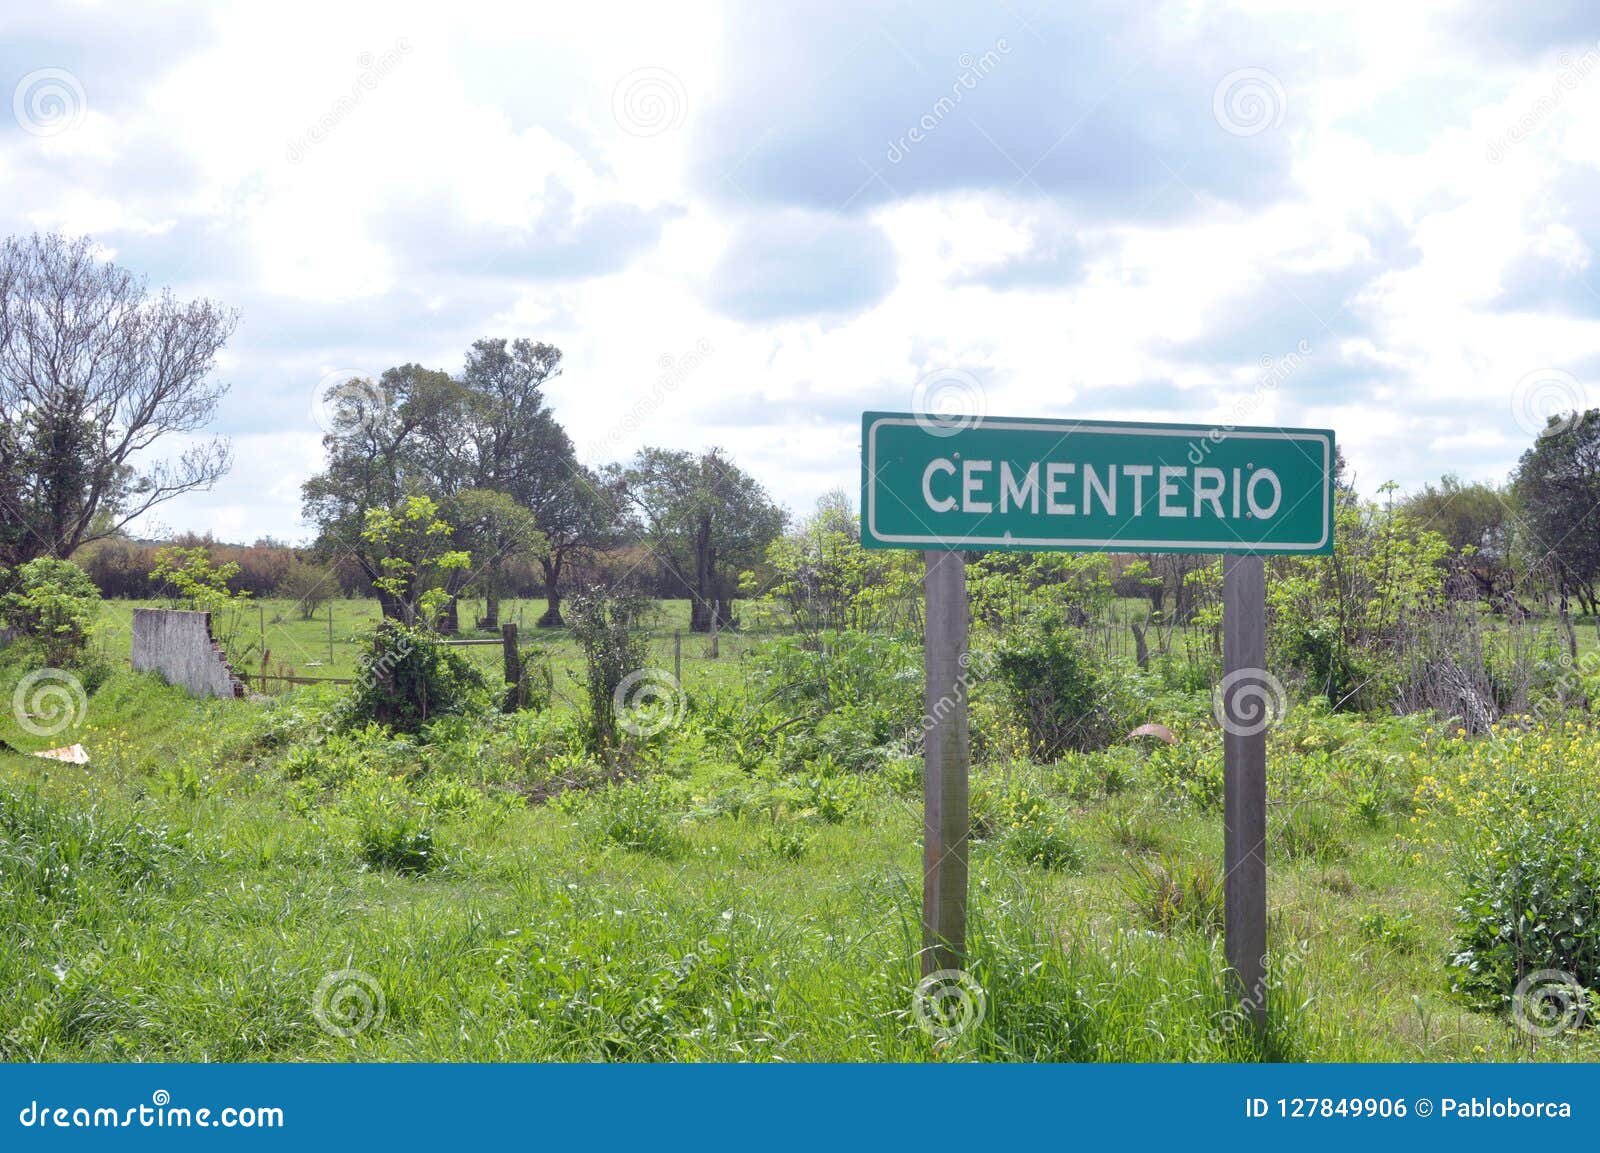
{"x":72,"y":754}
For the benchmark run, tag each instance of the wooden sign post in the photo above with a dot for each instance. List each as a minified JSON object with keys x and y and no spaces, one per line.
{"x":1028,"y":485}
{"x":1244,"y":780}
{"x":946,"y":824}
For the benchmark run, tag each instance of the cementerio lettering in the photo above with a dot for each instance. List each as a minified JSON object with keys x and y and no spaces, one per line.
{"x":1075,"y":488}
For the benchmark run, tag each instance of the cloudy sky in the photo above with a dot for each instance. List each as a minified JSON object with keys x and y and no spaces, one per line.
{"x":746,"y":223}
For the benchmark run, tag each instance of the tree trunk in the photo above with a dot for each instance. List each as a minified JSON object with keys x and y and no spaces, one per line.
{"x":491,"y":597}
{"x":704,"y":593}
{"x":552,"y":594}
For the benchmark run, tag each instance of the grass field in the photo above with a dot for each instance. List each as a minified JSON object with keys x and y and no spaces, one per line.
{"x":215,"y":885}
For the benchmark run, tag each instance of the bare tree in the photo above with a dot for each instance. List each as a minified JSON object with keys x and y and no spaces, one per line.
{"x":94,"y":370}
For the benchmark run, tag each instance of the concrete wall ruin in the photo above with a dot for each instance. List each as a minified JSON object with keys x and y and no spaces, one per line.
{"x":178,"y":644}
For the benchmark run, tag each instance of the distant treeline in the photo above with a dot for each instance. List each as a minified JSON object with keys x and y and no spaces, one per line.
{"x":121,"y":567}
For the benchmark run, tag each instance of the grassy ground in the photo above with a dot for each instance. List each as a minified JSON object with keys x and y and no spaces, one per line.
{"x":198,"y":893}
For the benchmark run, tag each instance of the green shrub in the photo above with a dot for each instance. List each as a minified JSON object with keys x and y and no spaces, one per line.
{"x":637,"y":815}
{"x":605,"y":626}
{"x":54,"y":606}
{"x":1308,"y":833}
{"x":1046,"y":842}
{"x":1063,"y":697}
{"x":1172,"y":895}
{"x":395,"y":838}
{"x":410,"y":677}
{"x":1532,"y":902}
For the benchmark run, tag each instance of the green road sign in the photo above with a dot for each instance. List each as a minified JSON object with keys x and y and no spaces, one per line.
{"x":1026,"y":485}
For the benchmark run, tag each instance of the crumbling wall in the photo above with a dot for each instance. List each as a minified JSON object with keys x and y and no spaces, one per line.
{"x":178,"y":644}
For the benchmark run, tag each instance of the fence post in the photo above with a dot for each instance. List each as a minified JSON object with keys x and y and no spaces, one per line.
{"x":716,"y":611}
{"x":513,"y":660}
{"x":677,"y":655}
{"x":330,"y":633}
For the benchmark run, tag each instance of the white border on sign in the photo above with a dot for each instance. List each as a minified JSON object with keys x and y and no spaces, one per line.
{"x":1099,"y":542}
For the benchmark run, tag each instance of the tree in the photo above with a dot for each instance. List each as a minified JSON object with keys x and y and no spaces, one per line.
{"x":415,"y":558}
{"x":494,"y":526}
{"x":1558,"y":483}
{"x":94,"y":372}
{"x":1477,"y":520}
{"x":521,"y":449}
{"x":705,"y":519}
{"x":392,"y":438}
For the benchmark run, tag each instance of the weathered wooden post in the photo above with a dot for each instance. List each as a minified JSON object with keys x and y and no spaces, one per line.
{"x":513,"y":663}
{"x":1246,"y":716}
{"x":677,"y":655}
{"x":330,"y":632}
{"x":716,"y":611}
{"x":946,"y":824}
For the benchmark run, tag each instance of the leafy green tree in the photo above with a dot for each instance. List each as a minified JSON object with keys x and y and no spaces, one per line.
{"x":826,"y":582}
{"x":412,"y":544}
{"x":390,"y":439}
{"x":1558,"y":483}
{"x":704,"y":518}
{"x":494,"y":527}
{"x":188,"y":579}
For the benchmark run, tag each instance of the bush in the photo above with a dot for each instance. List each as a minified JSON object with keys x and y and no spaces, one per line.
{"x":55,"y":606}
{"x":1527,"y":858}
{"x":395,"y":838}
{"x":603,"y":625}
{"x":410,"y":677}
{"x":1173,"y":895}
{"x":1063,"y":698}
{"x":637,"y":815}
